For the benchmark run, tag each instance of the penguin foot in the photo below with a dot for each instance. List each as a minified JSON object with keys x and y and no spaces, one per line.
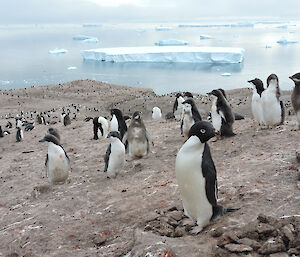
{"x":196,"y":230}
{"x":188,"y":221}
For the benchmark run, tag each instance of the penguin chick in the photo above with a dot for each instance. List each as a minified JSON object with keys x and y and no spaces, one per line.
{"x":156,"y":113}
{"x":54,"y":132}
{"x":115,"y":155}
{"x":57,"y":161}
{"x":256,"y":103}
{"x":197,"y":177}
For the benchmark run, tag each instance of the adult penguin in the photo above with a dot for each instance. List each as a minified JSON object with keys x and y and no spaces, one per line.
{"x":57,"y":161}
{"x":100,"y":124}
{"x":137,"y":137}
{"x":190,"y":115}
{"x":115,"y":155}
{"x":178,"y":107}
{"x":196,"y":176}
{"x":256,"y":103}
{"x":273,"y":109}
{"x":221,"y":114}
{"x":117,"y":118}
{"x":66,"y":119}
{"x":1,"y":132}
{"x":19,"y":135}
{"x":295,"y":97}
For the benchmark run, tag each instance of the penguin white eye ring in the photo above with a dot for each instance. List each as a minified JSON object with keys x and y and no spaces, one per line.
{"x":202,"y":131}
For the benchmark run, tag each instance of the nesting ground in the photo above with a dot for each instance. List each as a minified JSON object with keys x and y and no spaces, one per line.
{"x":92,"y":215}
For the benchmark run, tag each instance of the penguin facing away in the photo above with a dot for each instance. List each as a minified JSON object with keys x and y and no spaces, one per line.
{"x":256,"y":103}
{"x":178,"y":107}
{"x":273,"y":109}
{"x":19,"y":135}
{"x":137,"y":137}
{"x":122,"y":127}
{"x":197,"y":177}
{"x":295,"y":97}
{"x":115,"y":155}
{"x":57,"y":161}
{"x":221,"y":114}
{"x":156,"y":113}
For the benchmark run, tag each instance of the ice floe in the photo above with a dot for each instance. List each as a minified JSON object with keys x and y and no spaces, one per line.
{"x":58,"y":51}
{"x":171,"y":42}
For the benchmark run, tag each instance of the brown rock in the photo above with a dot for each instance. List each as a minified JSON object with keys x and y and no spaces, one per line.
{"x":223,"y":241}
{"x":217,"y":232}
{"x":99,"y":240}
{"x":176,"y":215}
{"x":279,"y":255}
{"x":265,"y":229}
{"x":12,"y":255}
{"x":172,"y":222}
{"x":220,"y":252}
{"x":238,"y":248}
{"x":249,"y":231}
{"x":252,"y":243}
{"x":232,"y":237}
{"x":288,"y":233}
{"x":267,"y":219}
{"x":293,"y":251}
{"x":179,"y":232}
{"x":273,"y":245}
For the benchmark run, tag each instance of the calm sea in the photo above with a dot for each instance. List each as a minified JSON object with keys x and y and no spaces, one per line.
{"x":25,"y":60}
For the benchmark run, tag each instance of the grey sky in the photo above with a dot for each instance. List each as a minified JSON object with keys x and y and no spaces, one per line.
{"x":79,"y":11}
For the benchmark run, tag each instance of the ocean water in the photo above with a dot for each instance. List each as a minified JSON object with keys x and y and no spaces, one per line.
{"x":25,"y":60}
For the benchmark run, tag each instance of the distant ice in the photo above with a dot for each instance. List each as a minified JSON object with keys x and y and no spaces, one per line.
{"x":226,"y":25}
{"x":58,"y":51}
{"x":91,"y":40}
{"x":80,"y":37}
{"x":72,"y":68}
{"x":171,"y":42}
{"x":285,"y":41}
{"x":268,"y":46}
{"x":140,"y":30}
{"x":205,"y":37}
{"x":226,"y":74}
{"x":282,"y":27}
{"x":162,"y":28}
{"x":166,"y":54}
{"x":90,"y":25}
{"x":4,"y":82}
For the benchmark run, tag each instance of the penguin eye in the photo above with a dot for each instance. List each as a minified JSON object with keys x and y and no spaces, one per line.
{"x":202,"y":131}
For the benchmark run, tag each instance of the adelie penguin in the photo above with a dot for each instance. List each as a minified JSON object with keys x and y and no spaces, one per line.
{"x":178,"y":107}
{"x":190,"y":115}
{"x":19,"y":135}
{"x":221,"y":114}
{"x":196,"y":176}
{"x":100,"y":124}
{"x":117,"y":122}
{"x":115,"y":155}
{"x":256,"y":103}
{"x":57,"y":161}
{"x":137,"y":137}
{"x":273,"y":109}
{"x":295,"y":97}
{"x":66,"y":119}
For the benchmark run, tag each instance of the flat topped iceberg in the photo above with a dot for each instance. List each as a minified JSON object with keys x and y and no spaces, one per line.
{"x":171,"y":42}
{"x":285,"y":41}
{"x":58,"y":51}
{"x":91,"y":40}
{"x":80,"y":37}
{"x":166,"y":54}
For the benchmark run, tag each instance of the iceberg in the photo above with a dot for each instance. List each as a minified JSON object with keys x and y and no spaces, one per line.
{"x":205,"y":37}
{"x":140,"y":30}
{"x":226,"y":25}
{"x":80,"y":37}
{"x":90,"y":25}
{"x":91,"y":40}
{"x":171,"y":42}
{"x":58,"y":51}
{"x":285,"y":41}
{"x":226,"y":74}
{"x":184,"y":54}
{"x":72,"y":68}
{"x":162,"y":28}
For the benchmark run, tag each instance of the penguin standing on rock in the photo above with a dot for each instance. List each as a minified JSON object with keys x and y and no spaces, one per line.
{"x":256,"y":104}
{"x":57,"y":161}
{"x":221,"y":114}
{"x":118,"y":122}
{"x":19,"y":135}
{"x":273,"y":109}
{"x":295,"y":97}
{"x":196,"y":176}
{"x":138,"y":137}
{"x":100,"y":123}
{"x":115,"y":155}
{"x":190,"y":115}
{"x":178,"y":107}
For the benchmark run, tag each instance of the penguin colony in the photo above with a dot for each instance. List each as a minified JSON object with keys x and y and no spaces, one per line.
{"x":195,"y":171}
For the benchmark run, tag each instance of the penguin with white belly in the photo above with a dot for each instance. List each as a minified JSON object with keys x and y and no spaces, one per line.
{"x":273,"y":109}
{"x":221,"y":114}
{"x":190,"y":115}
{"x":197,"y":177}
{"x":256,"y":103}
{"x":137,"y":137}
{"x":178,"y":107}
{"x":115,"y":155}
{"x":156,"y":113}
{"x":295,"y":97}
{"x":117,"y":122}
{"x":57,"y":161}
{"x":100,"y":124}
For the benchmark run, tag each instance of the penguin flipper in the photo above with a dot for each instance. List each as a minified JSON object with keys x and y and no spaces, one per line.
{"x":210,"y":175}
{"x":96,"y":124}
{"x":106,"y":157}
{"x":282,"y":112}
{"x":125,"y":137}
{"x":181,"y":127}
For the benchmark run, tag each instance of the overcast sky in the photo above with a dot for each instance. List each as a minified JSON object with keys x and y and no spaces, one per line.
{"x":80,"y":11}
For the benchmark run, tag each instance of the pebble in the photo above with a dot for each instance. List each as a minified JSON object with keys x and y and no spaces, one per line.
{"x":238,"y":248}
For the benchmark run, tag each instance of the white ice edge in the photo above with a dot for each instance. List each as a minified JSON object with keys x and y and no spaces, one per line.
{"x":166,"y":54}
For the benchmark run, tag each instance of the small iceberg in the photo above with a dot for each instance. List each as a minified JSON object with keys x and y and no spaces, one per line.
{"x":140,"y":30}
{"x":226,"y":74}
{"x":282,"y":27}
{"x":162,"y":28}
{"x":202,"y":37}
{"x":285,"y":41}
{"x":91,"y":40}
{"x":80,"y":37}
{"x":90,"y":25}
{"x":58,"y":51}
{"x":171,"y":42}
{"x":72,"y":68}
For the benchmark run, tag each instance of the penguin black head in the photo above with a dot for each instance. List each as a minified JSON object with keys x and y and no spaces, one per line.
{"x":54,"y":132}
{"x":223,"y":92}
{"x":50,"y":138}
{"x":203,"y":130}
{"x":137,"y":116}
{"x":271,"y":78}
{"x":188,"y":94}
{"x":114,"y":134}
{"x":296,"y":78}
{"x":259,"y":85}
{"x":116,"y":112}
{"x":178,"y":95}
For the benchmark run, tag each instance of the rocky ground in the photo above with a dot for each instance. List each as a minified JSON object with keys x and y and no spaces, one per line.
{"x":140,"y":213}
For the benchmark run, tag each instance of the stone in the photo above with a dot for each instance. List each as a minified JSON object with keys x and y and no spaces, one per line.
{"x":172,"y":222}
{"x":217,"y":232}
{"x":279,"y":255}
{"x":250,"y":242}
{"x":298,"y":155}
{"x":158,"y":249}
{"x":265,"y":229}
{"x":176,"y":215}
{"x":98,"y":240}
{"x":288,"y":233}
{"x":220,"y":252}
{"x":266,"y":219}
{"x":238,"y":248}
{"x":293,"y":251}
{"x":179,"y":232}
{"x":232,"y":237}
{"x":273,"y":245}
{"x":223,"y":241}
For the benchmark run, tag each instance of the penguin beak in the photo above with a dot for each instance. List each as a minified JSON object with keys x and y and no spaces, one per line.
{"x":42,"y":140}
